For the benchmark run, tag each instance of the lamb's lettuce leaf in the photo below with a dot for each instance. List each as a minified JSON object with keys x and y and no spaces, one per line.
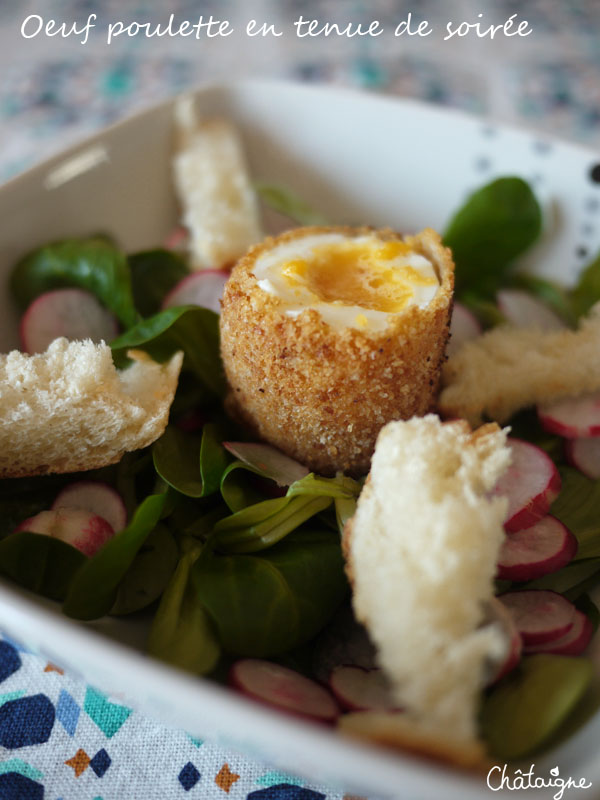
{"x":94,"y":264}
{"x":495,"y":225}
{"x":263,"y":605}
{"x":42,"y":564}
{"x":93,"y":589}
{"x":526,"y":708}
{"x":192,"y":329}
{"x":153,"y":274}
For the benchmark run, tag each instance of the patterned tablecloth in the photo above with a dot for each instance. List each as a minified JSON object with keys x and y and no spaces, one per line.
{"x":58,"y":737}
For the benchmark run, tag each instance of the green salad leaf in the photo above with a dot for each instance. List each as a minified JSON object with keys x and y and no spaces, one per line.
{"x":153,"y":274}
{"x":526,"y":708}
{"x":341,"y":486}
{"x":213,"y":458}
{"x":192,"y":329}
{"x":149,"y":573}
{"x":268,"y":462}
{"x":182,"y":633}
{"x":486,"y":311}
{"x":240,"y":483}
{"x":587,"y":290}
{"x":238,"y":487}
{"x":572,"y":580}
{"x":263,"y":605}
{"x":578,"y":507}
{"x":286,"y":202}
{"x":21,"y":498}
{"x":586,"y":605}
{"x":496,"y":224}
{"x":42,"y":564}
{"x":344,"y":510}
{"x":262,"y":524}
{"x":93,"y":590}
{"x":93,"y":264}
{"x":193,"y":465}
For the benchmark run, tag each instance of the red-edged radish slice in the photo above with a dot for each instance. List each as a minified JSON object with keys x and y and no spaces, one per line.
{"x":192,"y":421}
{"x":358,"y":689}
{"x":531,"y":483}
{"x":283,"y":688}
{"x":573,"y":418}
{"x":98,"y":498}
{"x":71,"y":313}
{"x":464,"y":326}
{"x":513,"y":657}
{"x":86,"y":531}
{"x":203,"y":288}
{"x":539,"y":615}
{"x":523,"y":310}
{"x":270,"y":461}
{"x":584,"y":454}
{"x":178,"y":239}
{"x":498,"y":668}
{"x":572,"y":643}
{"x":539,"y":550}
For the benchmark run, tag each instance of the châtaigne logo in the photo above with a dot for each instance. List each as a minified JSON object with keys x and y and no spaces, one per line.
{"x":499,"y":778}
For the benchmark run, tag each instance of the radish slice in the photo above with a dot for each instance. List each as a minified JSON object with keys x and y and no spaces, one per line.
{"x":573,"y":418}
{"x":358,"y":689}
{"x":531,"y":483}
{"x":86,"y":531}
{"x":270,"y":462}
{"x":203,"y":288}
{"x":540,"y":615}
{"x":464,"y":326}
{"x":513,"y":657}
{"x":71,"y":313}
{"x":525,"y":311}
{"x":498,"y":668}
{"x":584,"y":454}
{"x":192,"y":421}
{"x":539,"y":550}
{"x":178,"y":239}
{"x":284,"y":688}
{"x":98,"y":498}
{"x":572,"y":643}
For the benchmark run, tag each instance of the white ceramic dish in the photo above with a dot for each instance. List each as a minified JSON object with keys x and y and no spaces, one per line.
{"x":358,"y":158}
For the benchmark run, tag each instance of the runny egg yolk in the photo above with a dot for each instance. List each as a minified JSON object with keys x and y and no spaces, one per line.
{"x":358,"y":273}
{"x":358,"y":282}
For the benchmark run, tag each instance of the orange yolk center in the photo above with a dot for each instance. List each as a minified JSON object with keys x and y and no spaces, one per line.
{"x":359,"y":274}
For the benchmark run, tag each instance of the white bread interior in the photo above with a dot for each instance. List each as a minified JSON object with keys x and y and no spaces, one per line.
{"x":509,"y":368}
{"x":69,"y":409}
{"x":220,"y":207}
{"x":422,"y":550}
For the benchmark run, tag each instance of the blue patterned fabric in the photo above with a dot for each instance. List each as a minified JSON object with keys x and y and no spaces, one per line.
{"x":62,"y":740}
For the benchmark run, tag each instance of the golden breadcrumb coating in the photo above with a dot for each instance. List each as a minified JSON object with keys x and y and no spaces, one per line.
{"x":322,"y":395}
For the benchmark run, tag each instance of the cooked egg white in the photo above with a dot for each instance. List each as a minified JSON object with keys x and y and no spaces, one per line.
{"x":356,"y":282}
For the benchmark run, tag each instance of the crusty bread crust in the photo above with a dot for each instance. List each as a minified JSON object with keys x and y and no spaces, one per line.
{"x":321,"y":395}
{"x":69,"y":410}
{"x":511,"y":368}
{"x":393,"y":729}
